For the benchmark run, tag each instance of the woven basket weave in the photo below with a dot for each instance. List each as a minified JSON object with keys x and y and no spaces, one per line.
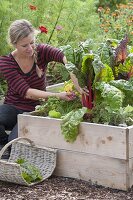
{"x":42,"y":158}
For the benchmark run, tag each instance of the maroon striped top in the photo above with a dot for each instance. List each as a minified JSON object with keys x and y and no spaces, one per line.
{"x":19,"y":82}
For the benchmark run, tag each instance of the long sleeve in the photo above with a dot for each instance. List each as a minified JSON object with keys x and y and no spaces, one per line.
{"x":47,"y":53}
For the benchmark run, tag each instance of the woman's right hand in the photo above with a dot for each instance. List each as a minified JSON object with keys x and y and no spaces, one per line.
{"x":81,"y":91}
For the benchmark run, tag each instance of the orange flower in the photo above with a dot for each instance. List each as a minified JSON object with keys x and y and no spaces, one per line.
{"x":122,"y":6}
{"x":106,"y":30}
{"x":102,"y":25}
{"x":107,"y":11}
{"x":32,"y":7}
{"x":114,"y":14}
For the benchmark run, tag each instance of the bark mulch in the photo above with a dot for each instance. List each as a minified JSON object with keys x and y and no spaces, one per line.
{"x":60,"y":188}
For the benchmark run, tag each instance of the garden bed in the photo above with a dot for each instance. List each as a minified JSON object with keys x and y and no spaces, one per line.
{"x":101,"y":154}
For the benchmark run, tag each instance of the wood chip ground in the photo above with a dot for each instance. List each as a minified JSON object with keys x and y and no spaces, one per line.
{"x":60,"y":188}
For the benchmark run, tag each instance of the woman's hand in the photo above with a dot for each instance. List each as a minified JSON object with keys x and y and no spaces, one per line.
{"x":83,"y":91}
{"x":77,"y":86}
{"x":68,"y":96}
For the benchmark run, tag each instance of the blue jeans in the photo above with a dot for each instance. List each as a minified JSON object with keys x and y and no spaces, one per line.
{"x":8,"y":121}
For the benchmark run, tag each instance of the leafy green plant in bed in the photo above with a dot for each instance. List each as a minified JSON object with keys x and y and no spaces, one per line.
{"x":107,"y":73}
{"x":71,"y":113}
{"x":70,"y":124}
{"x":54,"y":104}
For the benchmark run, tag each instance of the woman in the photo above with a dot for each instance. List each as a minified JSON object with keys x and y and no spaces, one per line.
{"x":25,"y":70}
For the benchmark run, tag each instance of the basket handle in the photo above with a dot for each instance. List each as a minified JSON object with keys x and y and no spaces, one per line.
{"x":13,"y":141}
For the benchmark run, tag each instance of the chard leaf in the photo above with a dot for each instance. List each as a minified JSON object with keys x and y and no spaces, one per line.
{"x":87,"y":63}
{"x":70,"y":123}
{"x":112,"y":96}
{"x":130,"y":57}
{"x":128,"y":109}
{"x":128,"y":113}
{"x":87,"y":45}
{"x":71,"y":67}
{"x":87,"y":68}
{"x":105,"y":75}
{"x":68,"y":52}
{"x":127,"y":88}
{"x":97,"y":64}
{"x":79,"y":52}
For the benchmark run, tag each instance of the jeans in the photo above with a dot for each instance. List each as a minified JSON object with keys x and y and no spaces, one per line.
{"x":8,"y":121}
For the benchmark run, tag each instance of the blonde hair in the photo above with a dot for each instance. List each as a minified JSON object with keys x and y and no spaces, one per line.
{"x":20,"y":29}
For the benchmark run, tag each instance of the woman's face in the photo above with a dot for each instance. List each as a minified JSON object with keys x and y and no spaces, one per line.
{"x":25,"y":46}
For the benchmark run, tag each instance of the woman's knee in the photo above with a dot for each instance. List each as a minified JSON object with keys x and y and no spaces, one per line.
{"x":8,"y":116}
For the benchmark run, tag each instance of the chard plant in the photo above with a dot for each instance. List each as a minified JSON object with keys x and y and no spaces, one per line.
{"x":108,"y":75}
{"x":107,"y":72}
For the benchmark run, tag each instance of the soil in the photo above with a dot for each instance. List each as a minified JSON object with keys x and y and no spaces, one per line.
{"x":60,"y":188}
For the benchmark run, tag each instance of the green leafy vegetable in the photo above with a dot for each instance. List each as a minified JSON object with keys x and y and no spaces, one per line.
{"x":112,"y":96}
{"x":29,"y":172}
{"x":70,"y":123}
{"x":108,"y":76}
{"x":57,"y":105}
{"x":54,"y":114}
{"x":127,"y":88}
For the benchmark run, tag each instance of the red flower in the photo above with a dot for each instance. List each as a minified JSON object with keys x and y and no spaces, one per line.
{"x":43,"y":29}
{"x":32,"y":7}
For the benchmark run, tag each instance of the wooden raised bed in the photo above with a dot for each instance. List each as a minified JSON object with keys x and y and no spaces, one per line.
{"x":101,"y":154}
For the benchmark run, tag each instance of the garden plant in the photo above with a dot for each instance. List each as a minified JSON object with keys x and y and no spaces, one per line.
{"x":107,"y":73}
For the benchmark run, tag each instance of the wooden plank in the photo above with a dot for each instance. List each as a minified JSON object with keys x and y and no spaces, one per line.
{"x":130,"y":172}
{"x":54,"y":88}
{"x":100,"y":170}
{"x":130,"y":130}
{"x":93,"y":138}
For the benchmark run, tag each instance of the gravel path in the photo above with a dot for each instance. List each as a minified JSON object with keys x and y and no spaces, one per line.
{"x":58,"y":188}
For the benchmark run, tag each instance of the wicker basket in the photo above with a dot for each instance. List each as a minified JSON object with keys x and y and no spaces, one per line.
{"x":43,"y":158}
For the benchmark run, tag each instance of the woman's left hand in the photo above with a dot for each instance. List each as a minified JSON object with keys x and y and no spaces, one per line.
{"x":68,"y":96}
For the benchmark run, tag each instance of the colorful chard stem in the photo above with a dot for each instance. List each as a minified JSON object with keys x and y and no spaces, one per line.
{"x":87,"y":100}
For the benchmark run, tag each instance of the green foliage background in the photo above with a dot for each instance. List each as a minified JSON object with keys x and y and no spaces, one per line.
{"x":77,"y":18}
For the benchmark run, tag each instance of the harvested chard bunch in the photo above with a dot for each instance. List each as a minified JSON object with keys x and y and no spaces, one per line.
{"x":29,"y":172}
